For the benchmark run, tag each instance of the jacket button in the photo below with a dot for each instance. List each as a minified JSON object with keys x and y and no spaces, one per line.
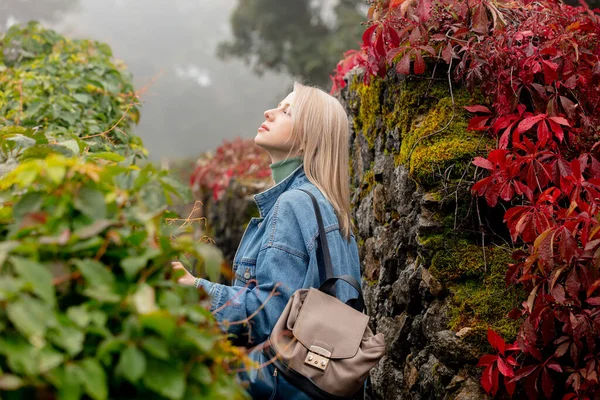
{"x":247,"y":274}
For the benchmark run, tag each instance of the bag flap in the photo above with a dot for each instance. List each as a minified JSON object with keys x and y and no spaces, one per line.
{"x":326,"y":322}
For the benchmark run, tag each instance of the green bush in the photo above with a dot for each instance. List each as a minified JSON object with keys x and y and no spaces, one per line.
{"x":86,"y":241}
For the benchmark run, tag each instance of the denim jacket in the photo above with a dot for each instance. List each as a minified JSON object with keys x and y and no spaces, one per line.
{"x":278,"y":255}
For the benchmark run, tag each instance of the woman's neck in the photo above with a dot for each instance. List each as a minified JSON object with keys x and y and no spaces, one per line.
{"x":282,"y":169}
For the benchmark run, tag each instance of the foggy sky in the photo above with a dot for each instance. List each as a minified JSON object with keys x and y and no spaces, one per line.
{"x":197,"y":99}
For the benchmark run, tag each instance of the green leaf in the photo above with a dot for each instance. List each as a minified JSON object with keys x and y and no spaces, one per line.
{"x":156,"y":347}
{"x":5,"y":249}
{"x":82,"y":98}
{"x":20,"y":354}
{"x":144,"y":299}
{"x":49,"y":359}
{"x":161,"y":322}
{"x":38,"y":276}
{"x":166,"y":379}
{"x":94,"y":379}
{"x":95,"y":273}
{"x":30,"y":317}
{"x":177,"y":188}
{"x":94,"y":229}
{"x":67,"y":337}
{"x":213,"y":258}
{"x":79,"y":315}
{"x":72,"y":145}
{"x":107,"y":156}
{"x":109,"y":346}
{"x":91,"y":202}
{"x":30,"y":202}
{"x":203,"y":340}
{"x":132,"y":265}
{"x":10,"y":382}
{"x":70,"y":388}
{"x":132,"y":364}
{"x":201,"y":374}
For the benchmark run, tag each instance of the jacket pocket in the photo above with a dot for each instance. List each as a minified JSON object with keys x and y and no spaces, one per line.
{"x":245,"y":272}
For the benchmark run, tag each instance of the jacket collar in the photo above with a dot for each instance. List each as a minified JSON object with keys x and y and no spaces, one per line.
{"x":267,"y":199}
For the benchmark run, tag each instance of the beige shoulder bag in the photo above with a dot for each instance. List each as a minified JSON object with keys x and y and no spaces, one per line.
{"x":321,"y":345}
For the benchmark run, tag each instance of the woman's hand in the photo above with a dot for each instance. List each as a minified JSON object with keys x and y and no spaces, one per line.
{"x":187,"y":279}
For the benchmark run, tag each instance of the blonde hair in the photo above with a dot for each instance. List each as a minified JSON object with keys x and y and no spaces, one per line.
{"x":320,"y":129}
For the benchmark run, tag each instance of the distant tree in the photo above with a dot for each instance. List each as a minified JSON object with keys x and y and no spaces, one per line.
{"x":26,"y":10}
{"x":302,"y":37}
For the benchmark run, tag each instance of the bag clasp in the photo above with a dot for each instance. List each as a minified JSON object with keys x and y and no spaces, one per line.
{"x":317,"y":357}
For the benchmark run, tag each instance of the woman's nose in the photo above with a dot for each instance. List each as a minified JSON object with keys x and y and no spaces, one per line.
{"x":269,"y":115}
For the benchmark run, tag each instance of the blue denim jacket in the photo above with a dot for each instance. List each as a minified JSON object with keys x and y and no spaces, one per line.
{"x":278,"y":253}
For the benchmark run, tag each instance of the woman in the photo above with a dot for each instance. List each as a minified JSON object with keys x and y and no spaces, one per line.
{"x":307,"y":139}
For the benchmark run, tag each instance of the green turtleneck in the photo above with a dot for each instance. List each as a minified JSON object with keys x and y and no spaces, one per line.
{"x":283,"y":169}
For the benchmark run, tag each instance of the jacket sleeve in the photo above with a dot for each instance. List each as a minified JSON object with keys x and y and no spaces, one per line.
{"x":281,"y":270}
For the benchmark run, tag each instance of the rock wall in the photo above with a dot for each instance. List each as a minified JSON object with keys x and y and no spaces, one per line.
{"x":431,"y":286}
{"x":433,"y":259}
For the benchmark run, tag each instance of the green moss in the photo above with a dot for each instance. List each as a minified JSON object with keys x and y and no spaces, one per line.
{"x":436,"y":137}
{"x":479,"y":296}
{"x":368,"y":182}
{"x":432,"y":124}
{"x":368,"y":109}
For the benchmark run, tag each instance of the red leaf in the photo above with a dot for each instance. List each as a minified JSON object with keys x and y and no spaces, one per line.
{"x":569,"y":106}
{"x":556,"y":129}
{"x":510,"y":386}
{"x":504,"y":368}
{"x":593,"y":288}
{"x":403,"y":67}
{"x":554,"y":366}
{"x":543,"y":133}
{"x":419,"y":63}
{"x":515,"y":313}
{"x":486,"y":379}
{"x":596,"y":70}
{"x":480,"y":19}
{"x":478,"y":108}
{"x":483,"y":163}
{"x":368,"y":35}
{"x":547,"y":383}
{"x":524,"y":372}
{"x":424,"y":10}
{"x":593,"y":301}
{"x":478,"y":123}
{"x":396,"y":3}
{"x":486,"y":359}
{"x":550,"y":74}
{"x":560,"y":120}
{"x":447,"y":53}
{"x":529,"y":122}
{"x":496,"y":341}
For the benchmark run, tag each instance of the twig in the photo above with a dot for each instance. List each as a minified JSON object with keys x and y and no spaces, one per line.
{"x":481,"y":229}
{"x":20,"y":87}
{"x":66,"y":278}
{"x":131,"y":104}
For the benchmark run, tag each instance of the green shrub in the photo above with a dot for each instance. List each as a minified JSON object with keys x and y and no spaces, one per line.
{"x":86,"y":240}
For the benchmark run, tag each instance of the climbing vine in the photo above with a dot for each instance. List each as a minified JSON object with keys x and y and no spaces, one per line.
{"x":538,"y":63}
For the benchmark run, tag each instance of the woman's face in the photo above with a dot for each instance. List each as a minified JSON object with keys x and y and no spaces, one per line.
{"x":274,"y":135}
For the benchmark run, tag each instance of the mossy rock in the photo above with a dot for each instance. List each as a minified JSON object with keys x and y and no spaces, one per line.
{"x":432,"y":122}
{"x":369,"y":108}
{"x":479,"y":296}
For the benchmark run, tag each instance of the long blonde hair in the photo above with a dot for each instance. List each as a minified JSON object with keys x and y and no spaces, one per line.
{"x":320,"y":129}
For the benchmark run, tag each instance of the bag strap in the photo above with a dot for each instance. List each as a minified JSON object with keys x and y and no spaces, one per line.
{"x":329,"y":285}
{"x":323,"y":245}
